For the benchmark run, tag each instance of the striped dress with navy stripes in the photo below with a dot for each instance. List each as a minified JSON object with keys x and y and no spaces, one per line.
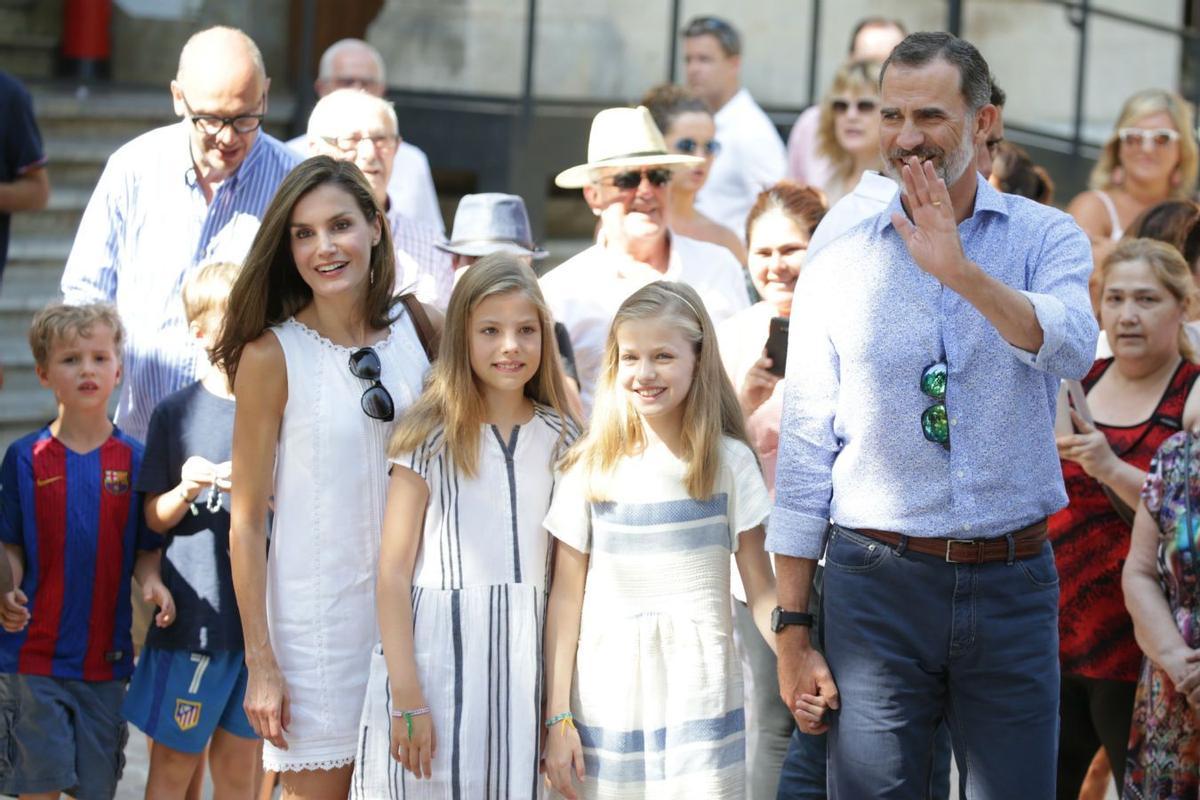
{"x":479,"y":595}
{"x":657,"y":690}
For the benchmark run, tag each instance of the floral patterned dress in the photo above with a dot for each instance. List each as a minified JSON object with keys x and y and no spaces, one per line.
{"x":1164,"y":745}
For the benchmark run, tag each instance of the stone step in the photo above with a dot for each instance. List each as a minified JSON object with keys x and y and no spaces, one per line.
{"x":24,"y":411}
{"x":32,"y":280}
{"x":60,"y":218}
{"x":17,"y":360}
{"x":27,"y":55}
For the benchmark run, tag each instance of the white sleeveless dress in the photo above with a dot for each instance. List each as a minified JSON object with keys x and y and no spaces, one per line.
{"x":330,"y":486}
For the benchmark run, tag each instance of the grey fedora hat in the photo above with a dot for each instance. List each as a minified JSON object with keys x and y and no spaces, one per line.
{"x":491,"y":222}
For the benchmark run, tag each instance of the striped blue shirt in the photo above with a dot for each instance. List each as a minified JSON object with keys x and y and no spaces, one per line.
{"x":866,"y":322}
{"x":145,"y":229}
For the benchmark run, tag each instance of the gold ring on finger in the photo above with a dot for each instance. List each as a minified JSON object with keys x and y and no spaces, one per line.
{"x":936,"y":203}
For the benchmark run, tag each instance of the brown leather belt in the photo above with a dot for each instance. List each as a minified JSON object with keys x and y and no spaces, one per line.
{"x":1027,"y":543}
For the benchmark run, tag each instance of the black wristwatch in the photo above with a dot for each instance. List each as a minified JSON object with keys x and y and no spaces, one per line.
{"x":780,"y":619}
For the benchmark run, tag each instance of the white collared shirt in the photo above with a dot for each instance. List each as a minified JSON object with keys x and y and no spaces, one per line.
{"x":585,"y":292}
{"x":752,"y":158}
{"x":873,"y":194}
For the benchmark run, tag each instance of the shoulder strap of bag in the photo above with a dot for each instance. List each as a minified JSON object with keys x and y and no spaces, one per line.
{"x":425,"y":330}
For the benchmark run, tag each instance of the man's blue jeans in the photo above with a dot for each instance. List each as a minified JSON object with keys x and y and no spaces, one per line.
{"x":912,"y":640}
{"x":803,"y":776}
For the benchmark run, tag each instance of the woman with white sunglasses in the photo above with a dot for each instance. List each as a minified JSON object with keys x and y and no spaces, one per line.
{"x":1151,"y":156}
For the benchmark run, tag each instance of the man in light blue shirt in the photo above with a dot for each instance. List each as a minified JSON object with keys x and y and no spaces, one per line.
{"x":926,"y":348}
{"x":172,"y":200}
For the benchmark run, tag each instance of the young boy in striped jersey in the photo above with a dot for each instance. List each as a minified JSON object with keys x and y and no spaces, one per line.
{"x":187,"y":691}
{"x":74,"y":535}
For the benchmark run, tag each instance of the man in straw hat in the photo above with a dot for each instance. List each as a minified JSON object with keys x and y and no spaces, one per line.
{"x":625,"y":182}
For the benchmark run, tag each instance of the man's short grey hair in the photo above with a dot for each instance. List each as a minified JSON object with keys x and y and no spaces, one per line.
{"x":325,"y":70}
{"x":726,"y":35}
{"x":919,"y":49}
{"x":197,"y":39}
{"x":344,"y":109}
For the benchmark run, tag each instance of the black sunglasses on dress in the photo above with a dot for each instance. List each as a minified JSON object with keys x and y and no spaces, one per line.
{"x":376,"y":400}
{"x":633,"y":179}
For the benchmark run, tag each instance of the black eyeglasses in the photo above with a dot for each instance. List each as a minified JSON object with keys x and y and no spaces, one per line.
{"x":690,"y":146}
{"x":212,"y":125}
{"x":935,"y":423}
{"x":633,"y":179}
{"x":376,"y":400}
{"x":864,"y":106}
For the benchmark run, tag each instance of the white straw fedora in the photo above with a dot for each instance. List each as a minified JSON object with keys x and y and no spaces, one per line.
{"x":623,"y":137}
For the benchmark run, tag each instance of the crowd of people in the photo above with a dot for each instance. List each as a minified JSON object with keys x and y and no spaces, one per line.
{"x":822,"y":463}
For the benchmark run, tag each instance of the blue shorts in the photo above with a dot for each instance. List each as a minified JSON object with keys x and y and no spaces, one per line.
{"x":179,"y":698}
{"x":61,"y":735}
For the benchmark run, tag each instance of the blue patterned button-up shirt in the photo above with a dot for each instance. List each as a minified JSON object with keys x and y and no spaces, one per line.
{"x":866,"y":322}
{"x":146,"y":228}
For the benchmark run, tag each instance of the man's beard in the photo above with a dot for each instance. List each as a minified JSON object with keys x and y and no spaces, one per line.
{"x":947,"y":167}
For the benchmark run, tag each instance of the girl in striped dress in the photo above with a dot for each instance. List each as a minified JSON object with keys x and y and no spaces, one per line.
{"x":643,"y":688}
{"x":454,"y":695}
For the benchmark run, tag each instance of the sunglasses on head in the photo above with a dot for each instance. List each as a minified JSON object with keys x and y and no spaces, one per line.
{"x":864,"y":105}
{"x":376,"y":401}
{"x":935,"y":423}
{"x":658,"y":176}
{"x":1140,"y":137}
{"x":689,"y":146}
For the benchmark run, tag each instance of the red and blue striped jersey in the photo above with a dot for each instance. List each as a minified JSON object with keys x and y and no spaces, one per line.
{"x":80,"y":524}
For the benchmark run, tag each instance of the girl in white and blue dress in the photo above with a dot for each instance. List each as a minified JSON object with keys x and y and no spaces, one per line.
{"x":454,"y":696}
{"x":643,"y":687}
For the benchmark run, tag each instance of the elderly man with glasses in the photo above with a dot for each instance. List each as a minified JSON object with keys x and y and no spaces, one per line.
{"x":625,"y":182}
{"x":355,"y":64}
{"x":172,"y":200}
{"x":351,"y":125}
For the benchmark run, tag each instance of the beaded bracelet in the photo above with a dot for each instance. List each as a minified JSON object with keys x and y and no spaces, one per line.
{"x":566,"y":718}
{"x":408,"y":715}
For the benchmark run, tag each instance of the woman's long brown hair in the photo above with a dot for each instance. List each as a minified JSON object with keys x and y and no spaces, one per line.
{"x":269,"y":289}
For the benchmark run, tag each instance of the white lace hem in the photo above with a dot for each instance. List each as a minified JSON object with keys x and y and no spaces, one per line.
{"x":272,"y":765}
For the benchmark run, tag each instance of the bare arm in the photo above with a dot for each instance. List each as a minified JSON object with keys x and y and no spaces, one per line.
{"x":402,"y":528}
{"x":262,"y":394}
{"x":805,"y":683}
{"x":1092,"y":217}
{"x":14,"y":611}
{"x":29,"y":191}
{"x":147,"y":570}
{"x":8,"y":581}
{"x":165,"y":511}
{"x":563,"y":611}
{"x":754,"y":565}
{"x":1153,"y":624}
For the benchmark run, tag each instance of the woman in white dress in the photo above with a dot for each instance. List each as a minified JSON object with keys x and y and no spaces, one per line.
{"x":322,"y":358}
{"x":455,"y":689}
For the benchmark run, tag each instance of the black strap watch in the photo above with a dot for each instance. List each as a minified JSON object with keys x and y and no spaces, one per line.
{"x":780,"y":619}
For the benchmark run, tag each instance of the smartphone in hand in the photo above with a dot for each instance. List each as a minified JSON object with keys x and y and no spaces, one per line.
{"x":777,"y":342}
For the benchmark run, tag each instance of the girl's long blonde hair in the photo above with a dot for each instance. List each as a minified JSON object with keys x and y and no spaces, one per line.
{"x":452,"y":399}
{"x":710,"y":409}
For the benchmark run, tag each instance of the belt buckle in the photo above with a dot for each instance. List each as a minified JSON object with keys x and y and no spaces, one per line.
{"x":972,"y":542}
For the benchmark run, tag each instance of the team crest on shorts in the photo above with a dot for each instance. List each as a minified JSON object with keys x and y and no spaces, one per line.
{"x":116,"y":481}
{"x":187,"y":714}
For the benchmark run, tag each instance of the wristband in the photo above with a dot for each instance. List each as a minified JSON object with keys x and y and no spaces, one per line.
{"x":190,"y":503}
{"x":566,"y":718}
{"x":408,"y":714}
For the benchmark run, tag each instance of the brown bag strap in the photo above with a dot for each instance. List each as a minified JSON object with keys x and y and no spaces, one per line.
{"x":425,"y":330}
